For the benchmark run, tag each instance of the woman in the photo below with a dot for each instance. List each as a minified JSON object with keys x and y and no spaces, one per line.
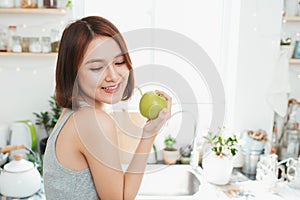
{"x":82,"y":155}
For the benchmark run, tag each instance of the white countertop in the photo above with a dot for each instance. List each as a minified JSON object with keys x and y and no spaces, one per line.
{"x":240,"y":187}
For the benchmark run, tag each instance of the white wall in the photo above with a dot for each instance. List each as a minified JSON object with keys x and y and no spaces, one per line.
{"x":259,"y":37}
{"x":200,"y":21}
{"x":244,"y":56}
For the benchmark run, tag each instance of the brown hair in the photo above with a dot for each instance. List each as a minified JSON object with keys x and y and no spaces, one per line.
{"x":74,"y":42}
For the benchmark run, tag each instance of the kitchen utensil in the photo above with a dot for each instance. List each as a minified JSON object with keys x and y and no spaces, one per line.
{"x":293,"y":172}
{"x":3,"y":158}
{"x":19,"y":178}
{"x":32,"y":132}
{"x":268,"y":169}
{"x":4,"y":134}
{"x":20,"y":134}
{"x":250,"y":159}
{"x":4,"y":152}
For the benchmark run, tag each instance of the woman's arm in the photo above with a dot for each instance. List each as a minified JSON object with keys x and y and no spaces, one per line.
{"x":99,"y":145}
{"x":136,"y":168}
{"x":98,"y":137}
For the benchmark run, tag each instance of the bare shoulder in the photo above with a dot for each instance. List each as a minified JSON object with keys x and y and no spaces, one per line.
{"x":94,"y":127}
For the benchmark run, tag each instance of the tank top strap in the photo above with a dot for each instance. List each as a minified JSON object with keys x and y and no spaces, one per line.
{"x":61,"y":123}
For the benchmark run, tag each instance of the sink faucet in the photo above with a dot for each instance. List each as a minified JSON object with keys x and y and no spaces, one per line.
{"x":194,"y":158}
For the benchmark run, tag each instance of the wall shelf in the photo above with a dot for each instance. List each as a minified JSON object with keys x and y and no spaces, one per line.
{"x":40,"y":11}
{"x":295,"y":61}
{"x":6,"y":54}
{"x":293,"y":19}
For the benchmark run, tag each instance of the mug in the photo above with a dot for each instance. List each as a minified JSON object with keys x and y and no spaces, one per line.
{"x":293,"y":172}
{"x":268,"y":169}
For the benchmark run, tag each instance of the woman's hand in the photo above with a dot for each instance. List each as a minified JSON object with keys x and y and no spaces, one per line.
{"x":152,"y":127}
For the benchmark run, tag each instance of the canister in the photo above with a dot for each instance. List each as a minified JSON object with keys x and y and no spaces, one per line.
{"x":250,"y":159}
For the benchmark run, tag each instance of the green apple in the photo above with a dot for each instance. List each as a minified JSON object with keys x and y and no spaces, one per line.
{"x":151,"y":104}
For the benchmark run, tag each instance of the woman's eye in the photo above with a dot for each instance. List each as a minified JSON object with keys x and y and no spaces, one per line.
{"x":96,"y":68}
{"x":121,"y":63}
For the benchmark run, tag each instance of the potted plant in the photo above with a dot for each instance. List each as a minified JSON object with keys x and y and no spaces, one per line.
{"x":170,"y":153}
{"x":48,"y":119}
{"x":222,"y":151}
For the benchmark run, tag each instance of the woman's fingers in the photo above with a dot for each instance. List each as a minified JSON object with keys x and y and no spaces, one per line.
{"x":169,"y":102}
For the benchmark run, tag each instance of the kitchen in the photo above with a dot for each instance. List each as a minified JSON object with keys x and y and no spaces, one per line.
{"x":243,"y":44}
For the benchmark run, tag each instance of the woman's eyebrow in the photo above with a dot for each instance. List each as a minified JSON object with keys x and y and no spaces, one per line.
{"x":94,"y":60}
{"x":101,"y":60}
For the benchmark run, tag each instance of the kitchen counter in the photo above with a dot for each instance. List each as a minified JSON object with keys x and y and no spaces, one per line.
{"x":240,"y":188}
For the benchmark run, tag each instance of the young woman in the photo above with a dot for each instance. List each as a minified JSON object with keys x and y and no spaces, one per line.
{"x":82,"y":155}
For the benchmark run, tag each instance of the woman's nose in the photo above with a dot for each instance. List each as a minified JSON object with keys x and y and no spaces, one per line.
{"x":111,"y":74}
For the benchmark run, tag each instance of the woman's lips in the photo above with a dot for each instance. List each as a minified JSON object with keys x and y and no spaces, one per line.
{"x":111,"y":89}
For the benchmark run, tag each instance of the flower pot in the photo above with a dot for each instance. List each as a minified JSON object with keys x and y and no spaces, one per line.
{"x":217,"y":169}
{"x":170,"y":156}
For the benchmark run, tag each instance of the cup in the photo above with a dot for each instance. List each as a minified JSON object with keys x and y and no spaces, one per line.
{"x":268,"y":169}
{"x":293,"y":172}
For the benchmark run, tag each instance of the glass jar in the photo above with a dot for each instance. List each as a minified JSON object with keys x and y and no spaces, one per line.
{"x":17,"y":3}
{"x":3,"y":41}
{"x":7,"y":3}
{"x":50,"y":3}
{"x":25,"y":44}
{"x":29,"y":4}
{"x":16,"y":44}
{"x":46,"y":44}
{"x":55,"y":39}
{"x":12,"y":30}
{"x":293,"y":140}
{"x":35,"y":45}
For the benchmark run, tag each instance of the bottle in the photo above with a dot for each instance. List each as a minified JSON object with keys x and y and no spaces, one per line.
{"x":3,"y":41}
{"x":293,"y":141}
{"x":12,"y":30}
{"x":274,"y":143}
{"x":55,"y":39}
{"x":50,"y":3}
{"x":16,"y":44}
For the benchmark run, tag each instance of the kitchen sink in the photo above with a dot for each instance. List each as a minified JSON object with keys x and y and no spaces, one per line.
{"x":169,"y":181}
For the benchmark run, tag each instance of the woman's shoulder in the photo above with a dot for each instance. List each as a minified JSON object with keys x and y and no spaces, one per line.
{"x":93,"y":117}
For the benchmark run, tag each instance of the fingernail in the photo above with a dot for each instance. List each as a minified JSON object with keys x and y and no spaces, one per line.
{"x":165,"y":111}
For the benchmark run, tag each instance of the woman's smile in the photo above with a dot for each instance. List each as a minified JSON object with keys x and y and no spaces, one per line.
{"x":112,"y":88}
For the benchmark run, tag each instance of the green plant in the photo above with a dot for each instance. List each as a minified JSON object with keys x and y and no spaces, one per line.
{"x":286,"y":41}
{"x":169,"y":142}
{"x":222,"y":145}
{"x":69,"y":4}
{"x":48,"y":119}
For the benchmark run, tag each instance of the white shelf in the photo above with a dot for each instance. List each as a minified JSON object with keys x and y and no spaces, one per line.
{"x":293,"y":19}
{"x":40,"y":11}
{"x":27,"y":54}
{"x":295,"y":61}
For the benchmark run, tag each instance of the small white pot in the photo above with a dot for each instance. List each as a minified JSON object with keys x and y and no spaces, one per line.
{"x":19,"y":178}
{"x":170,"y":157}
{"x":216,"y":169}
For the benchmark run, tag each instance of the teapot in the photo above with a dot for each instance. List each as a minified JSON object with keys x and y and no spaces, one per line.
{"x":19,"y":178}
{"x":293,"y":172}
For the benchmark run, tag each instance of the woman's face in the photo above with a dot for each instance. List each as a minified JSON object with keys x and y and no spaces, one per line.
{"x":103,"y":74}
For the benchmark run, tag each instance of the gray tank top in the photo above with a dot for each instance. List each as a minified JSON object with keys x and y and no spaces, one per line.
{"x":60,"y":182}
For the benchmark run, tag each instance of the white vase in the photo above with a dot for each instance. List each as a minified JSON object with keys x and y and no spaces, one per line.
{"x":170,"y":157}
{"x":216,"y":169}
